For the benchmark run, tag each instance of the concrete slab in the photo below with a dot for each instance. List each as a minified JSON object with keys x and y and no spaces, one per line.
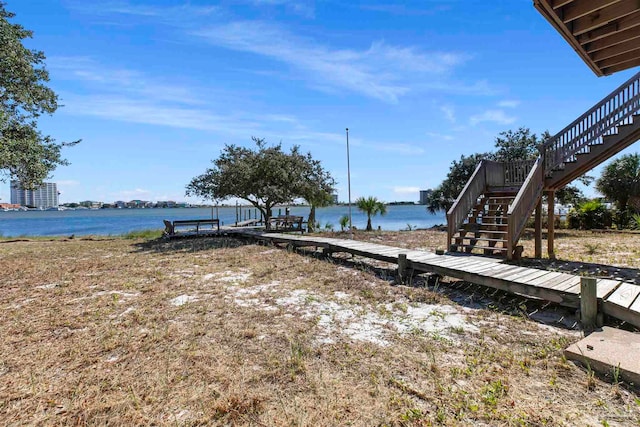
{"x":607,"y":349}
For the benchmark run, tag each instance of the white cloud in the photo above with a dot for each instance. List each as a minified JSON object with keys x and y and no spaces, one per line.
{"x":496,"y":116}
{"x":176,"y":15}
{"x":449,"y":113}
{"x":121,"y":80}
{"x":382,"y":71}
{"x":509,"y":103}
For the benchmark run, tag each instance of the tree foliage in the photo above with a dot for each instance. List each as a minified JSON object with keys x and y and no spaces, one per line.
{"x":25,"y":154}
{"x":510,"y":146}
{"x":371,"y":206}
{"x":265,"y":177}
{"x":620,"y":183}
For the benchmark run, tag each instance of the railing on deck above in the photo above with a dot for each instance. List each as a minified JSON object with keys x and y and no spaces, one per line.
{"x":615,"y":109}
{"x":523,"y":205}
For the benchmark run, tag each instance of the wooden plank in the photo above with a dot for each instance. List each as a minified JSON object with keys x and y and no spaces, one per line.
{"x":559,"y":297}
{"x":626,"y":23}
{"x":624,"y":295}
{"x":472,"y":267}
{"x":583,"y":8}
{"x":496,"y":268}
{"x":619,"y":59}
{"x":612,"y":51}
{"x":511,"y":275}
{"x":532,"y":274}
{"x":622,"y":37}
{"x":604,"y":16}
{"x":635,"y":306}
{"x":567,"y":284}
{"x":480,"y":267}
{"x":551,"y":282}
{"x":607,"y":286}
{"x":542,"y":279}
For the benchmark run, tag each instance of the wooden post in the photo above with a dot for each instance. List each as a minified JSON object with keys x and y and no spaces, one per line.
{"x":588,"y":303}
{"x":551,"y":223}
{"x":402,"y":269}
{"x":538,"y":223}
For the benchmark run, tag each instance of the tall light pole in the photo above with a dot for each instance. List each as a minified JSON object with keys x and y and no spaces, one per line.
{"x":349,"y":186}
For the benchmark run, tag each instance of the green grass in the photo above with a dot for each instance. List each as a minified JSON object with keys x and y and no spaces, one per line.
{"x":143,"y":234}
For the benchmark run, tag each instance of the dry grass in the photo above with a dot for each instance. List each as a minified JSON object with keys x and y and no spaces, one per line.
{"x":211,"y":332}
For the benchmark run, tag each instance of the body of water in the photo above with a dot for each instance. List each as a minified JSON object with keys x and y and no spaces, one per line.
{"x":120,"y":221}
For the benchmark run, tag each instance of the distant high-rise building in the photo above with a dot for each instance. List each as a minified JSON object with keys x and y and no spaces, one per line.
{"x":334,"y":198}
{"x":424,"y":195}
{"x":43,"y":197}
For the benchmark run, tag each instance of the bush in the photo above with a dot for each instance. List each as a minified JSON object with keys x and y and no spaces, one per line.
{"x":589,"y":215}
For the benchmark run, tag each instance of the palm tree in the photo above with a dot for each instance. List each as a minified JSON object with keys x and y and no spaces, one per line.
{"x":371,"y":206}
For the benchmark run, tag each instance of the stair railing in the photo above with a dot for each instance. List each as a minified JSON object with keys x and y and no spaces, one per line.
{"x":466,"y":200}
{"x":615,"y":109}
{"x":524,"y":204}
{"x":487,"y":173}
{"x":516,"y":172}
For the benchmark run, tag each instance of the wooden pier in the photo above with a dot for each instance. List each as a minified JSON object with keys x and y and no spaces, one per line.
{"x":615,"y":298}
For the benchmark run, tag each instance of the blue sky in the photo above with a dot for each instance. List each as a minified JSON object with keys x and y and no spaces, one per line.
{"x":156,"y":88}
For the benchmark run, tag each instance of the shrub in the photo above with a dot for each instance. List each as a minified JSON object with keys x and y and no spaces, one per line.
{"x":589,"y":215}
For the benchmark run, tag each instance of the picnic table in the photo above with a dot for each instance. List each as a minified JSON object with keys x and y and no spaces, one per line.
{"x":287,"y":223}
{"x":202,"y":227}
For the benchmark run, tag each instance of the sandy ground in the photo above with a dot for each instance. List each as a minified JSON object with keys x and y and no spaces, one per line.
{"x":215,"y":332}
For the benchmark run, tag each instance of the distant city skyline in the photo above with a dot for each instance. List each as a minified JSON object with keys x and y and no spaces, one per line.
{"x":156,"y":88}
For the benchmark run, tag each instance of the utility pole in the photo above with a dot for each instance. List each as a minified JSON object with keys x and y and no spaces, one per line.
{"x":349,"y":187}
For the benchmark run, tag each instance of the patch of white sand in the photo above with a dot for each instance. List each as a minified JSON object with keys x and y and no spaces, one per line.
{"x":228,"y":276}
{"x":183,"y":299}
{"x":359,"y":322}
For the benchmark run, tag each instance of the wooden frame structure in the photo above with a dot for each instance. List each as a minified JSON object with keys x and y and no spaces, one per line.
{"x":604,"y":33}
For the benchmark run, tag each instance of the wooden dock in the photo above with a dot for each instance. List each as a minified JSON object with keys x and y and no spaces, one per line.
{"x":615,"y":298}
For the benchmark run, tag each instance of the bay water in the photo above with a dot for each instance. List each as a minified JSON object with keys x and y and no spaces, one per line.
{"x":120,"y":221}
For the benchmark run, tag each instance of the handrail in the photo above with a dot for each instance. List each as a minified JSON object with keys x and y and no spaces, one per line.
{"x":516,"y":172}
{"x":524,"y":203}
{"x":611,"y":111}
{"x":466,"y":199}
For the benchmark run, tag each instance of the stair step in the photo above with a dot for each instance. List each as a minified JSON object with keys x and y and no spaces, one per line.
{"x":492,"y":217}
{"x":489,"y":248}
{"x":480,"y":239}
{"x":481,"y":230}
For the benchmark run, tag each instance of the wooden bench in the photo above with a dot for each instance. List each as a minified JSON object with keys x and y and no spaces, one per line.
{"x":209,"y":224}
{"x":287,"y":223}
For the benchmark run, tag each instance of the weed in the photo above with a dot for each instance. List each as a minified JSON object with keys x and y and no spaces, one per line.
{"x":592,"y":248}
{"x":492,"y":392}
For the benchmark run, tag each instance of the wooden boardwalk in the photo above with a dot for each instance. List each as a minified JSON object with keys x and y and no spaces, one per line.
{"x":618,"y":299}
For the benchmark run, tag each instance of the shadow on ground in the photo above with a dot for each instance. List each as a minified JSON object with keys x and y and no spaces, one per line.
{"x":584,"y":269}
{"x":196,"y":244}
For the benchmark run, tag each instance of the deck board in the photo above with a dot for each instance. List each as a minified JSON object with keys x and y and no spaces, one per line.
{"x":625,"y":295}
{"x":620,"y":299}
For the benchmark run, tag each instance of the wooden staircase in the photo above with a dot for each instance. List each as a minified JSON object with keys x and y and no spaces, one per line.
{"x":492,"y":210}
{"x":486,"y":226}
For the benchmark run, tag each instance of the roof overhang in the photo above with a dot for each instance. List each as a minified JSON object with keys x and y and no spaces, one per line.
{"x":605,"y":33}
